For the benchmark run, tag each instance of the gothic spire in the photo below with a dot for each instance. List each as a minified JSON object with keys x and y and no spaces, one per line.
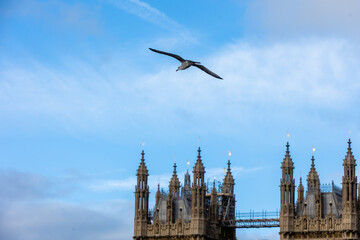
{"x":287,"y":162}
{"x":349,"y":158}
{"x":174,"y":185}
{"x":141,"y":198}
{"x":213,"y":191}
{"x":300,"y":185}
{"x":228,"y":184}
{"x":300,"y":199}
{"x":158,"y":196}
{"x":313,"y":177}
{"x":186,"y":189}
{"x":142,"y":170}
{"x":199,"y":167}
{"x":228,"y":177}
{"x":300,"y":191}
{"x":349,"y":182}
{"x":187,"y":178}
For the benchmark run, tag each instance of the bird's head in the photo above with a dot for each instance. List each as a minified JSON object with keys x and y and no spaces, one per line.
{"x":178,"y":69}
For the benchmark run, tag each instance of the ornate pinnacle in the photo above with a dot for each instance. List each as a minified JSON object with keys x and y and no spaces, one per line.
{"x":174,"y":173}
{"x":142,"y":156}
{"x":287,"y":148}
{"x":312,"y":162}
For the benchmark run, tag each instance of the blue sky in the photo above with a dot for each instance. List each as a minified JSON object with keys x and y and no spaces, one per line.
{"x":80,"y":91}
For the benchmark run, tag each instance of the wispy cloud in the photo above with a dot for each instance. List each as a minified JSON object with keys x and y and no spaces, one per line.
{"x":145,"y":11}
{"x":153,"y":15}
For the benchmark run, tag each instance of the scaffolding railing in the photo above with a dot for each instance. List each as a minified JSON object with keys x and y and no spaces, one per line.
{"x":257,"y":215}
{"x":252,"y":219}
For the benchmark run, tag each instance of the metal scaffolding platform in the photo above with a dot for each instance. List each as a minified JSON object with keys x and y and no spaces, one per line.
{"x":251,"y":219}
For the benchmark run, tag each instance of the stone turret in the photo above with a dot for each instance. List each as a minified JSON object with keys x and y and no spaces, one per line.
{"x":198,"y":197}
{"x":349,"y":192}
{"x":287,"y":189}
{"x":141,"y":200}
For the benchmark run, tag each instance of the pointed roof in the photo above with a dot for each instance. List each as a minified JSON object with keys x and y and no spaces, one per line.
{"x":287,"y":162}
{"x":313,"y":178}
{"x":349,"y":158}
{"x":186,"y":189}
{"x":142,"y":170}
{"x":228,"y":177}
{"x":199,"y":167}
{"x":187,"y":178}
{"x":174,"y":182}
{"x":300,"y":187}
{"x":158,"y":193}
{"x":213,"y":191}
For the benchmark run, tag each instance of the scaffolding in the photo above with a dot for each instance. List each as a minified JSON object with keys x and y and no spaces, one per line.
{"x":263,"y":219}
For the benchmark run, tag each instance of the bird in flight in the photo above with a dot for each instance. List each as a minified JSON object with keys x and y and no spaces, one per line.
{"x":187,"y":63}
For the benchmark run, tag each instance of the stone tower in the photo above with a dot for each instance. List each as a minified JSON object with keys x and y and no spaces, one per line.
{"x":327,"y":211}
{"x":198,"y":198}
{"x":141,"y":200}
{"x":287,"y":189}
{"x":349,"y":193}
{"x":195,"y":214}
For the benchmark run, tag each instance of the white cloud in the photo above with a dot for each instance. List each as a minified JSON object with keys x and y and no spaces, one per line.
{"x":316,"y":74}
{"x":111,"y":185}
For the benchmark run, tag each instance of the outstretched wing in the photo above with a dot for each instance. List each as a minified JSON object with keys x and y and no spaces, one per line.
{"x":169,"y":54}
{"x":207,"y":71}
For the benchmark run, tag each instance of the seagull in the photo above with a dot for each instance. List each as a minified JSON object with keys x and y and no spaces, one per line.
{"x":187,"y":63}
